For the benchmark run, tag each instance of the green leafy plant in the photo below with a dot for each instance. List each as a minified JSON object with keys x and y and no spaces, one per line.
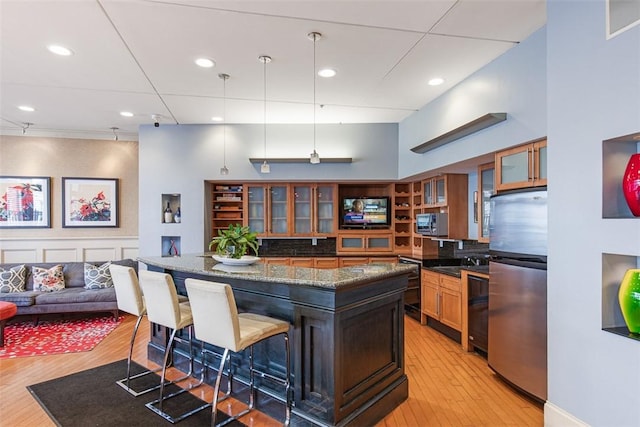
{"x":235,"y":241}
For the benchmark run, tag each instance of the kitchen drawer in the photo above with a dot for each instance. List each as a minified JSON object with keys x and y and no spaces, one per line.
{"x":449,"y":282}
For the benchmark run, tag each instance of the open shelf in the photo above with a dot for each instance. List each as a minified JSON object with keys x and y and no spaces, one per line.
{"x":615,"y":156}
{"x":614,"y":267}
{"x":173,"y":200}
{"x":171,"y":246}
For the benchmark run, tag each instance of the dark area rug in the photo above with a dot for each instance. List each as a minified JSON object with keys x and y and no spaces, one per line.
{"x":92,"y":398}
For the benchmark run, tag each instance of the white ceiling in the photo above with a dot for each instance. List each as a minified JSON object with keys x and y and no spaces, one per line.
{"x":139,"y":56}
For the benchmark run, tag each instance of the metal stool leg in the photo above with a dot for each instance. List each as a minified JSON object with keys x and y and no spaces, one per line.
{"x":158,"y":409}
{"x":124,"y":383}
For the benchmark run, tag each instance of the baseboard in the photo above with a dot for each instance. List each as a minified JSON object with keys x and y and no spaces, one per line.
{"x":554,"y":416}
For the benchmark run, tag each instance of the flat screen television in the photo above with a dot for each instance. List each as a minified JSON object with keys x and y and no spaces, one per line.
{"x":363,"y":212}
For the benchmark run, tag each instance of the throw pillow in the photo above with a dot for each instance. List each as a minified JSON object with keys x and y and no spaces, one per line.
{"x":12,"y":280}
{"x":97,"y":277}
{"x":50,"y":280}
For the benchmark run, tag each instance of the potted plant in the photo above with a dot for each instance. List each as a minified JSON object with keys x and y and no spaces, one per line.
{"x":234,"y":241}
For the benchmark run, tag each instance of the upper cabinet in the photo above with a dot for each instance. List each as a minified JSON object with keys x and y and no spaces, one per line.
{"x":448,"y":194}
{"x":522,"y":166}
{"x":486,"y":188}
{"x":267,"y":209}
{"x":315,"y":209}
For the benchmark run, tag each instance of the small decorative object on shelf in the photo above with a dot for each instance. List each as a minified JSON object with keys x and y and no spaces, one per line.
{"x":173,"y":249}
{"x":631,"y":184}
{"x":168,"y":214}
{"x":178,"y":216}
{"x":629,"y":298}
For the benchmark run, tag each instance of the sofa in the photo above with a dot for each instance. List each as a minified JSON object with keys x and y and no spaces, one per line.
{"x":87,"y":287}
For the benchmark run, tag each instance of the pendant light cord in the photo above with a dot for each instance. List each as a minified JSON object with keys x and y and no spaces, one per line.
{"x":224,"y":117}
{"x":265,"y":105}
{"x":315,"y":37}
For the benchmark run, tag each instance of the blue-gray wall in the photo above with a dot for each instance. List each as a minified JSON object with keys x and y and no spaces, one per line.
{"x":180,"y":158}
{"x":593,"y":95}
{"x":514,"y":83}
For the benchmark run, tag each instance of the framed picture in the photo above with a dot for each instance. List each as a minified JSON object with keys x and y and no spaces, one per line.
{"x":25,"y":202}
{"x":89,"y":202}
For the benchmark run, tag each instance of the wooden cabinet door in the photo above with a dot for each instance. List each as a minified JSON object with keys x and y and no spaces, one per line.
{"x":302,"y":204}
{"x":523,"y":166}
{"x":351,"y":243}
{"x":486,"y":188}
{"x":451,"y":308}
{"x":379,"y":243}
{"x":256,"y":208}
{"x":349,"y":261}
{"x":325,"y":209}
{"x":326,"y":262}
{"x":278,"y":210}
{"x":301,"y":262}
{"x":540,"y":163}
{"x":276,"y":260}
{"x":451,"y":301}
{"x":429,"y":305}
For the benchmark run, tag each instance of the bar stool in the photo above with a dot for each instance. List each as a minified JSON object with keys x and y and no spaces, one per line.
{"x":163,"y":308}
{"x":217,"y":322}
{"x":130,"y":300}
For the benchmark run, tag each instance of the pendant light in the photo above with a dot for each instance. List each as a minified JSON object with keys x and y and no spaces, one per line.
{"x":224,"y":170}
{"x":265,"y":168}
{"x":315,"y":157}
{"x":115,"y":133}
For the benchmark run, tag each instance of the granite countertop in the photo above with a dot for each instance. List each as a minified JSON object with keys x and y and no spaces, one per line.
{"x":326,"y":278}
{"x":456,"y":270}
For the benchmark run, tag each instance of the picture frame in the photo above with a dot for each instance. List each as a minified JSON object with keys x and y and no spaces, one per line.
{"x":25,"y":202}
{"x":89,"y":202}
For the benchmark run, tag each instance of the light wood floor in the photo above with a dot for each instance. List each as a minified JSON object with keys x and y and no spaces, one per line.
{"x":447,"y":387}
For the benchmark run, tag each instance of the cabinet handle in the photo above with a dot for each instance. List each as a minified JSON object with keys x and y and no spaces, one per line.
{"x":438,"y":304}
{"x":314,"y":204}
{"x":530,"y":159}
{"x":534,"y":153}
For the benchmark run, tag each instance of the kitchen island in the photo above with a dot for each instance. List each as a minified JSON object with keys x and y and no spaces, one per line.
{"x":347,"y":333}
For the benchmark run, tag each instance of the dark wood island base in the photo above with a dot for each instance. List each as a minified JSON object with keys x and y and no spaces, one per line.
{"x":347,"y":334}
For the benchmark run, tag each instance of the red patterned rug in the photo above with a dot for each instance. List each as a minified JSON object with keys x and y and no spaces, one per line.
{"x":55,"y":336}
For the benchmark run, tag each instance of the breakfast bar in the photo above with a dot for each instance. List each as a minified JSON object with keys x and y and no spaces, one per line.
{"x":347,"y":333}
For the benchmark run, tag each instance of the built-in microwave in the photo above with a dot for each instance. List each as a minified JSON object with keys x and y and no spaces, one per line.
{"x":432,"y":224}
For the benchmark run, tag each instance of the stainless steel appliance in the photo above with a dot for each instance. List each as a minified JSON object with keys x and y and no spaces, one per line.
{"x":478,"y":309}
{"x":432,"y":224}
{"x":412,"y":294}
{"x":518,"y":290}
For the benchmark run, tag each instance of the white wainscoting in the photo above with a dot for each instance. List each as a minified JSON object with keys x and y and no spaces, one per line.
{"x":68,"y":249}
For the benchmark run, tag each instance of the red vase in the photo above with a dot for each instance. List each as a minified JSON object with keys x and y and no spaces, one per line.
{"x":631,"y":184}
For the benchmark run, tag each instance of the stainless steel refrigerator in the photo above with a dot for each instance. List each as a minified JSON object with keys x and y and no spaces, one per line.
{"x":517,"y":348}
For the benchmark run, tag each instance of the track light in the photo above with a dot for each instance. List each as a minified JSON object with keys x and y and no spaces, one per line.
{"x":115,"y":134}
{"x":156,"y":119}
{"x":265,"y":168}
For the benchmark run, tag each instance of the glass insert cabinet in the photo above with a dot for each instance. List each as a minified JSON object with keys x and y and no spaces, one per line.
{"x":267,"y":209}
{"x":314,"y":209}
{"x":522,"y":166}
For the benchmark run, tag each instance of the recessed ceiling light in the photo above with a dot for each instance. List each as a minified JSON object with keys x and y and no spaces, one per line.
{"x":327,"y":72}
{"x":126,"y":114}
{"x":26,"y":108}
{"x":59,"y":50}
{"x":436,"y":81}
{"x":205,"y":62}
{"x":217,"y":119}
